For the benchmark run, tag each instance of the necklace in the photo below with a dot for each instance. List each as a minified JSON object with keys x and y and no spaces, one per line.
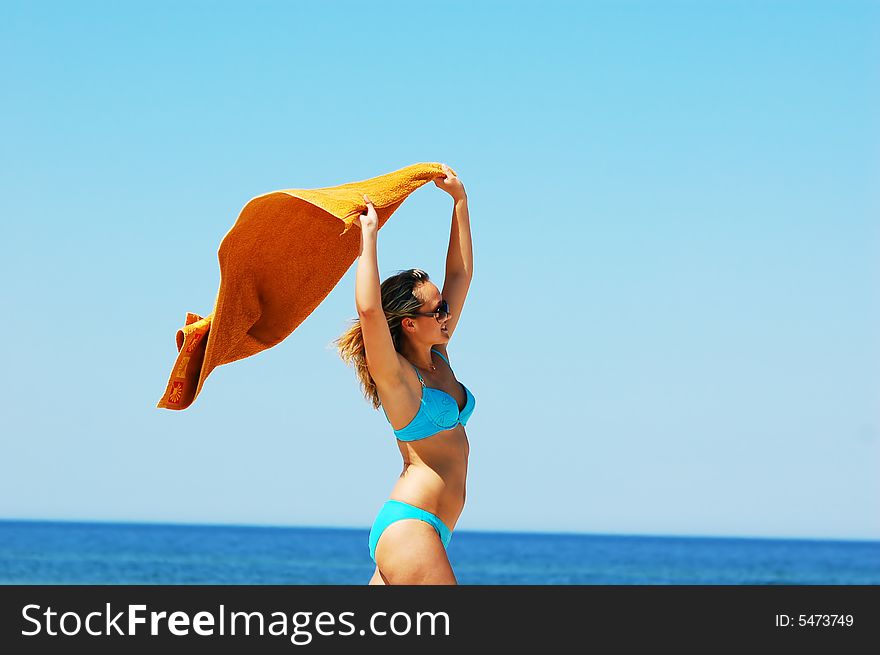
{"x":432,"y":368}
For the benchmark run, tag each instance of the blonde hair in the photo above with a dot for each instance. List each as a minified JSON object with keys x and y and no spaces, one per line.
{"x":399,"y":300}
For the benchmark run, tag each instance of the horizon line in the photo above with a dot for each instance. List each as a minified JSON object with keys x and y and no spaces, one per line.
{"x":271,"y":526}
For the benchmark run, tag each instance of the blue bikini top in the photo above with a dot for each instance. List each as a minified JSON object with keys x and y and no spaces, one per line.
{"x":438,"y":411}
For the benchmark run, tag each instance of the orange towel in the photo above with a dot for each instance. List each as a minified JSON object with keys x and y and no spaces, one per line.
{"x":278,"y":262}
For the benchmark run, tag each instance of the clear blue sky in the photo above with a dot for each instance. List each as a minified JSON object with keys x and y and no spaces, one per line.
{"x":673,"y":324}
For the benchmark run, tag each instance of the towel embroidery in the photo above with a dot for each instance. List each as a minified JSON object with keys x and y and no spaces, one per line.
{"x":176,"y":392}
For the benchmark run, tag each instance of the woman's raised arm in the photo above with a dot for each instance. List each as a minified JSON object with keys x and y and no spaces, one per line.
{"x":382,"y":360}
{"x":460,"y":256}
{"x":367,"y":289}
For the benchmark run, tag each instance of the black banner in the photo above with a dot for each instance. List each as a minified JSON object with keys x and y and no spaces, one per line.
{"x":277,"y":619}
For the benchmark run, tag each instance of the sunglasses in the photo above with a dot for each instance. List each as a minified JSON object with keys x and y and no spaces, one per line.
{"x":441,"y":313}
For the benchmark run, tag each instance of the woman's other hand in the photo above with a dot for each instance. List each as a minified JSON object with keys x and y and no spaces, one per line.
{"x":450,"y":184}
{"x":369,"y":221}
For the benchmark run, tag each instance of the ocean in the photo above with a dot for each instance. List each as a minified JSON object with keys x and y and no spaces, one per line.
{"x":39,"y":552}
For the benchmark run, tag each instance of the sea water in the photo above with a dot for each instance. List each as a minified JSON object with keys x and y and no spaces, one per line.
{"x":36,"y":552}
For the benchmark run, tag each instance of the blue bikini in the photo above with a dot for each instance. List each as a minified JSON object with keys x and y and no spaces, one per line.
{"x":438,"y":411}
{"x":396,"y":510}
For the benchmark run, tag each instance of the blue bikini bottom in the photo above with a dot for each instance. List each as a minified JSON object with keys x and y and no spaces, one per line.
{"x":396,"y":510}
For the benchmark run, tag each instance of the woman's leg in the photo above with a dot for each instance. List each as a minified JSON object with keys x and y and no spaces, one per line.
{"x":377,"y":578}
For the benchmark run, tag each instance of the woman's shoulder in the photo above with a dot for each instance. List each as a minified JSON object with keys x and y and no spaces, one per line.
{"x":401,"y":397}
{"x":407,"y":379}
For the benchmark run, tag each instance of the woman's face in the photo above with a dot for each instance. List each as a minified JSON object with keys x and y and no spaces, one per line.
{"x":427,"y":328}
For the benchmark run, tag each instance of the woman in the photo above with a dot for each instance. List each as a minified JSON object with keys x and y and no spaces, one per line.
{"x":398,"y":347}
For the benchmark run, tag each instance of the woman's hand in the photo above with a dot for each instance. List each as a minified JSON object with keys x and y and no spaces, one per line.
{"x":368,"y":222}
{"x":450,"y":184}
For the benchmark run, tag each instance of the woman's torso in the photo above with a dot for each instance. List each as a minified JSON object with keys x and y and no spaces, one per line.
{"x":435,"y":467}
